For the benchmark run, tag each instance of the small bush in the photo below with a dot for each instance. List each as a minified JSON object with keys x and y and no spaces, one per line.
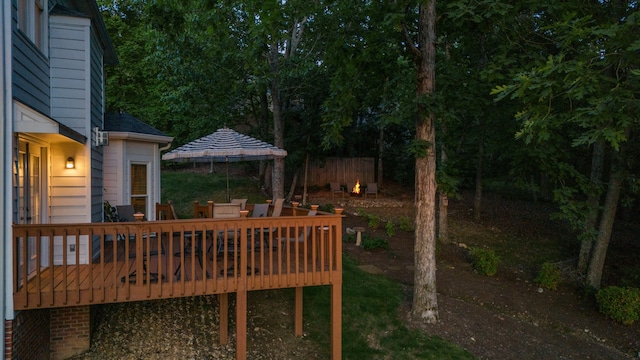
{"x":619,"y":303}
{"x":405,"y":224}
{"x":326,"y":208}
{"x":369,"y":243}
{"x":390,"y":228}
{"x":549,"y":276}
{"x":485,"y":261}
{"x":349,"y":238}
{"x":374,"y":221}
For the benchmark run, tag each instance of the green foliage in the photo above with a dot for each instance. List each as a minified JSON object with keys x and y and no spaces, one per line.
{"x":326,"y":208}
{"x":374,"y":221}
{"x":405,"y":224}
{"x":349,"y":239}
{"x":370,"y":243}
{"x":485,"y":261}
{"x":110,"y":213}
{"x":620,"y":303}
{"x":390,"y":228}
{"x":549,"y":276}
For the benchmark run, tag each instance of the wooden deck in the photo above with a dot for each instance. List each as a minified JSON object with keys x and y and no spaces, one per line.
{"x":118,"y":262}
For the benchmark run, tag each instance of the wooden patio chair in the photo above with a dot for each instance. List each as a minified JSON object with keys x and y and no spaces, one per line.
{"x":242,"y":202}
{"x":202,"y":211}
{"x":166,"y":211}
{"x":336,"y":188}
{"x":372,"y":188}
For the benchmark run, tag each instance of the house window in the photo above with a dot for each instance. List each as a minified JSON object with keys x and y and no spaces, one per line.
{"x":31,"y":20}
{"x":139,"y":193}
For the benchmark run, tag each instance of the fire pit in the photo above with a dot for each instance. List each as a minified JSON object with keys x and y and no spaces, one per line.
{"x":356,"y":190}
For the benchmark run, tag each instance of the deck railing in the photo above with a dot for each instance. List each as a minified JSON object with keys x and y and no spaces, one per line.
{"x":57,"y":265}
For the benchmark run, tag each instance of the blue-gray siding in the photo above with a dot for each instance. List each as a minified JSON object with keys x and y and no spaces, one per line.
{"x":30,"y":70}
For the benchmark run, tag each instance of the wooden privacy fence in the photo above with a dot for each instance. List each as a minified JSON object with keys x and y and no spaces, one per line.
{"x":344,"y":170}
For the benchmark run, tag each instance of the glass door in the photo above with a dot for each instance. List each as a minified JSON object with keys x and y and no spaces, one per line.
{"x":29,"y":184}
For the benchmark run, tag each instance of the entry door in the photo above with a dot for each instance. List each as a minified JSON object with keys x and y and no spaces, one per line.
{"x":29,"y":178}
{"x":29,"y":185}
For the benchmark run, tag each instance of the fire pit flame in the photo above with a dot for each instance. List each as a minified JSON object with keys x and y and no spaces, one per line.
{"x":356,"y":189}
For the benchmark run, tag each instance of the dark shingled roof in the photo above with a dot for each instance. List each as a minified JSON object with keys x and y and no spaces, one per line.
{"x":123,"y":122}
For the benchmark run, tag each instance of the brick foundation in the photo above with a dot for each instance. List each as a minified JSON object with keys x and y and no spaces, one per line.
{"x":27,"y":336}
{"x":70,"y":331}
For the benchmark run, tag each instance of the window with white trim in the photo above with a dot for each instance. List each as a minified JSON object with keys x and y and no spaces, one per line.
{"x":31,"y":21}
{"x":139,"y":187}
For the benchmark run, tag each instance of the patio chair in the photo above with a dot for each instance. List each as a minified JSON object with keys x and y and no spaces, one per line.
{"x":202,"y":211}
{"x":336,"y":188}
{"x":260,"y":210}
{"x":303,"y":235}
{"x":125,"y":213}
{"x":277,"y":207}
{"x":242,"y":202}
{"x":166,"y":211}
{"x":372,"y":188}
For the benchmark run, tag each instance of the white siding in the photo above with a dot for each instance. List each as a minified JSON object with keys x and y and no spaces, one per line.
{"x":70,"y":72}
{"x":68,"y":190}
{"x":113,"y":172}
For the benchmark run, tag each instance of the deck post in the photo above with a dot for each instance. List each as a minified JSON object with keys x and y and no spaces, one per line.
{"x":223,"y":302}
{"x":298,"y":311}
{"x":336,"y":320}
{"x":241,"y":325}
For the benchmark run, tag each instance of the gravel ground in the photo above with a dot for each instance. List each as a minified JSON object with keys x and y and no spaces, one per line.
{"x":187,"y":328}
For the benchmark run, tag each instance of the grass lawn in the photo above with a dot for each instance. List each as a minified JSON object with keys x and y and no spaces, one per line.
{"x":371,"y":327}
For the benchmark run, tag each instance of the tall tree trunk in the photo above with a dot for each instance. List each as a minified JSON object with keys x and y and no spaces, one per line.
{"x":277,"y":179}
{"x":380,"y":152}
{"x":596,"y":265}
{"x":443,"y":198}
{"x":306,"y":172}
{"x":597,"y":163}
{"x":443,"y":218}
{"x":425,"y":300}
{"x":477,"y":199}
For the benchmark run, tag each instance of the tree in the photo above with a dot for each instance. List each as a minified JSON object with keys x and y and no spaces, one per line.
{"x":581,"y":102}
{"x":425,"y":299}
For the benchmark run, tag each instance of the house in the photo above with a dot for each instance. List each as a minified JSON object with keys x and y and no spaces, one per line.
{"x":63,"y":157}
{"x":56,"y":165}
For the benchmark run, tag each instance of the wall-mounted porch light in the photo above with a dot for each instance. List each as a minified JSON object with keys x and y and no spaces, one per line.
{"x":71,"y":163}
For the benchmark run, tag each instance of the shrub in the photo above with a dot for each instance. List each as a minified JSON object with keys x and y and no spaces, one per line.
{"x":374,"y":221}
{"x":406,"y":224}
{"x":619,"y":303}
{"x":390,"y":228}
{"x":326,"y":208}
{"x":369,"y":243}
{"x":485,"y":261}
{"x":349,"y":238}
{"x":549,"y":276}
